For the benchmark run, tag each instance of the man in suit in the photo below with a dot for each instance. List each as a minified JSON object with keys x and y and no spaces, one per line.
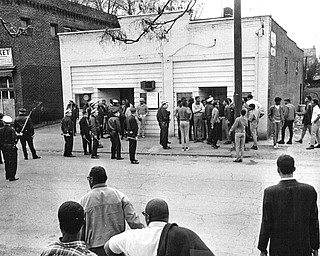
{"x":289,"y":215}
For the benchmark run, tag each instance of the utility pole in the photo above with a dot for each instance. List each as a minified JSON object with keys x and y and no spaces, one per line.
{"x":237,"y":57}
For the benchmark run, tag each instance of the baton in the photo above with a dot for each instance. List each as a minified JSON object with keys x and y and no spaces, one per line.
{"x":28,"y":117}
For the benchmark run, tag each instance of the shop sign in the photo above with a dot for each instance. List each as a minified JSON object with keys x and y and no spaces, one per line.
{"x":6,"y":57}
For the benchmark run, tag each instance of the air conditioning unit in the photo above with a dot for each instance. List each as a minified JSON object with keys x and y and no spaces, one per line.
{"x":148,"y":85}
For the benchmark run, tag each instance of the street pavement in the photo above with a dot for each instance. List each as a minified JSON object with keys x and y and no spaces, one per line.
{"x":207,"y":192}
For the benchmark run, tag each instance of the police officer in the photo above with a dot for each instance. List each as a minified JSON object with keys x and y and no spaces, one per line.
{"x":95,"y":130}
{"x":132,"y":128}
{"x":74,"y":114}
{"x":25,"y":131}
{"x":67,"y":128}
{"x":8,"y":140}
{"x":85,"y":133}
{"x":115,"y":130}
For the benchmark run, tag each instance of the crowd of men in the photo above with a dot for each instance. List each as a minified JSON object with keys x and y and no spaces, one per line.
{"x":97,"y":224}
{"x":99,"y":120}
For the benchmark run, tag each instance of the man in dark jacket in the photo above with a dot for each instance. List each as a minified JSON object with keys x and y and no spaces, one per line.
{"x":67,"y":132}
{"x":115,"y":131}
{"x":132,"y":128}
{"x":163,"y":118}
{"x":289,"y":215}
{"x":164,"y":239}
{"x":95,"y":131}
{"x":25,"y":130}
{"x":85,"y":133}
{"x":8,"y":140}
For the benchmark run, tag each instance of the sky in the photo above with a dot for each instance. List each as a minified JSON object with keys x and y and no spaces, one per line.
{"x":301,"y":19}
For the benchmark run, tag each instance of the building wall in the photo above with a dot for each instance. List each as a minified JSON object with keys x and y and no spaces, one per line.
{"x":37,"y":76}
{"x":197,"y":58}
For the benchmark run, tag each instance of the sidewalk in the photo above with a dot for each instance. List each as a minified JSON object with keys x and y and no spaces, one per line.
{"x":49,"y":138}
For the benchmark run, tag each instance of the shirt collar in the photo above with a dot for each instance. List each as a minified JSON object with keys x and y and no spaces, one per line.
{"x":71,"y":244}
{"x":99,"y":185}
{"x":157,"y":224}
{"x":289,"y":178}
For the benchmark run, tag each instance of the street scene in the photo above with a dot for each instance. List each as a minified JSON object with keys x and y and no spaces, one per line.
{"x":159,"y":128}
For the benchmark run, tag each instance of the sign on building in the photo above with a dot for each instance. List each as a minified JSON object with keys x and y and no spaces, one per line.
{"x":6,"y":57}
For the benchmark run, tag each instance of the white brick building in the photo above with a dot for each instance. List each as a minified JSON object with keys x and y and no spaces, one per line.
{"x":196,"y":60}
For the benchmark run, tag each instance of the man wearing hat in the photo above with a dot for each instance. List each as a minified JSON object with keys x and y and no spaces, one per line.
{"x":132,"y":129}
{"x":67,"y":132}
{"x":160,"y":238}
{"x":74,"y":114}
{"x":95,"y":126}
{"x":8,"y":140}
{"x":289,"y":215}
{"x":107,"y":211}
{"x":142,"y":112}
{"x":163,"y":118}
{"x":115,"y":131}
{"x":25,"y":130}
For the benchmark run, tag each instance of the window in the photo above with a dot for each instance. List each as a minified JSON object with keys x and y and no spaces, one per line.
{"x":186,"y":95}
{"x":6,"y":82}
{"x":67,"y":29}
{"x":24,"y":22}
{"x":286,"y":65}
{"x":297,"y":67}
{"x":53,"y":29}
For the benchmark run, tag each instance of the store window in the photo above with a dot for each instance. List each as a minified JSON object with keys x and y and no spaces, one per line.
{"x":24,"y":22}
{"x":186,"y":95}
{"x":53,"y":30}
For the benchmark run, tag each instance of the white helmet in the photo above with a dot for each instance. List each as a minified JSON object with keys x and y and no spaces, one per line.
{"x":7,"y":119}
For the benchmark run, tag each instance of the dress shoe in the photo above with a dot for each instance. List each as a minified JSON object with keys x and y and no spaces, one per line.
{"x":318,"y":146}
{"x":299,"y":141}
{"x":280,"y":142}
{"x":113,"y":157}
{"x":86,"y":153}
{"x":95,"y":157}
{"x":237,"y":160}
{"x":167,"y":148}
{"x":254,"y":147}
{"x":289,"y":142}
{"x":26,"y":158}
{"x":135,"y":162}
{"x":36,"y":157}
{"x":69,"y":156}
{"x":13,"y":179}
{"x":215,"y":147}
{"x":120,"y":158}
{"x":187,"y":148}
{"x":310,"y":147}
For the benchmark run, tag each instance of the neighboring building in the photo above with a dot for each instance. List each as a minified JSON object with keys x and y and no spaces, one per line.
{"x":30,"y":65}
{"x":310,"y":56}
{"x":197,"y":59}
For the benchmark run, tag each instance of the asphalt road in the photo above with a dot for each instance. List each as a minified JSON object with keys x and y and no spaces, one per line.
{"x":217,"y":198}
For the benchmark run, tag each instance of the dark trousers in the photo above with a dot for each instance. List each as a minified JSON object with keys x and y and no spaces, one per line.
{"x":164,"y":134}
{"x":68,"y":145}
{"x":24,"y":140}
{"x":288,"y":124}
{"x":74,"y":120}
{"x":132,"y":149}
{"x":95,"y":144}
{"x":215,"y":134}
{"x":179,"y":131}
{"x":99,"y":251}
{"x":115,"y":145}
{"x":87,"y":143}
{"x":10,"y":156}
{"x":210,"y":132}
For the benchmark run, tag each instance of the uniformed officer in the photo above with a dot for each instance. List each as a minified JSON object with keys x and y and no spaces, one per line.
{"x":85,"y":133}
{"x":95,"y":130}
{"x":132,"y":128}
{"x":8,"y":140}
{"x":74,"y":114}
{"x":67,"y":132}
{"x":24,"y":128}
{"x":115,"y":130}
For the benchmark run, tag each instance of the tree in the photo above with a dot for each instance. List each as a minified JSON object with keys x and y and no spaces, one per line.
{"x":154,"y":28}
{"x":14,"y":31}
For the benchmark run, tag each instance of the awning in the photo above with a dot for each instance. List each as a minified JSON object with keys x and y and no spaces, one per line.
{"x":6,"y":71}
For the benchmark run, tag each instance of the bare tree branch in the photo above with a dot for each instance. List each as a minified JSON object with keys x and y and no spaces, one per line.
{"x":14,"y":31}
{"x":153,"y":27}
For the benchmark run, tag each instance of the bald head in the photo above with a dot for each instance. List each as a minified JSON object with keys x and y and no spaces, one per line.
{"x":157,"y":209}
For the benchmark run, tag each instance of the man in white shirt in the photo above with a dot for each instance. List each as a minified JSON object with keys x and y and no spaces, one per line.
{"x":159,"y":238}
{"x":315,"y":125}
{"x":198,"y":110}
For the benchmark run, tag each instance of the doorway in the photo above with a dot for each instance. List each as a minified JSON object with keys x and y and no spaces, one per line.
{"x":218,"y":93}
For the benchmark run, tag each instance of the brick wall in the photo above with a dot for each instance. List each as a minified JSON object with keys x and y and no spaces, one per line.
{"x":37,"y":76}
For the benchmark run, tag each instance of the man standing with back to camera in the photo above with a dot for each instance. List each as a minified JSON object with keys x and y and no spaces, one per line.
{"x":25,"y":130}
{"x":289,"y":215}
